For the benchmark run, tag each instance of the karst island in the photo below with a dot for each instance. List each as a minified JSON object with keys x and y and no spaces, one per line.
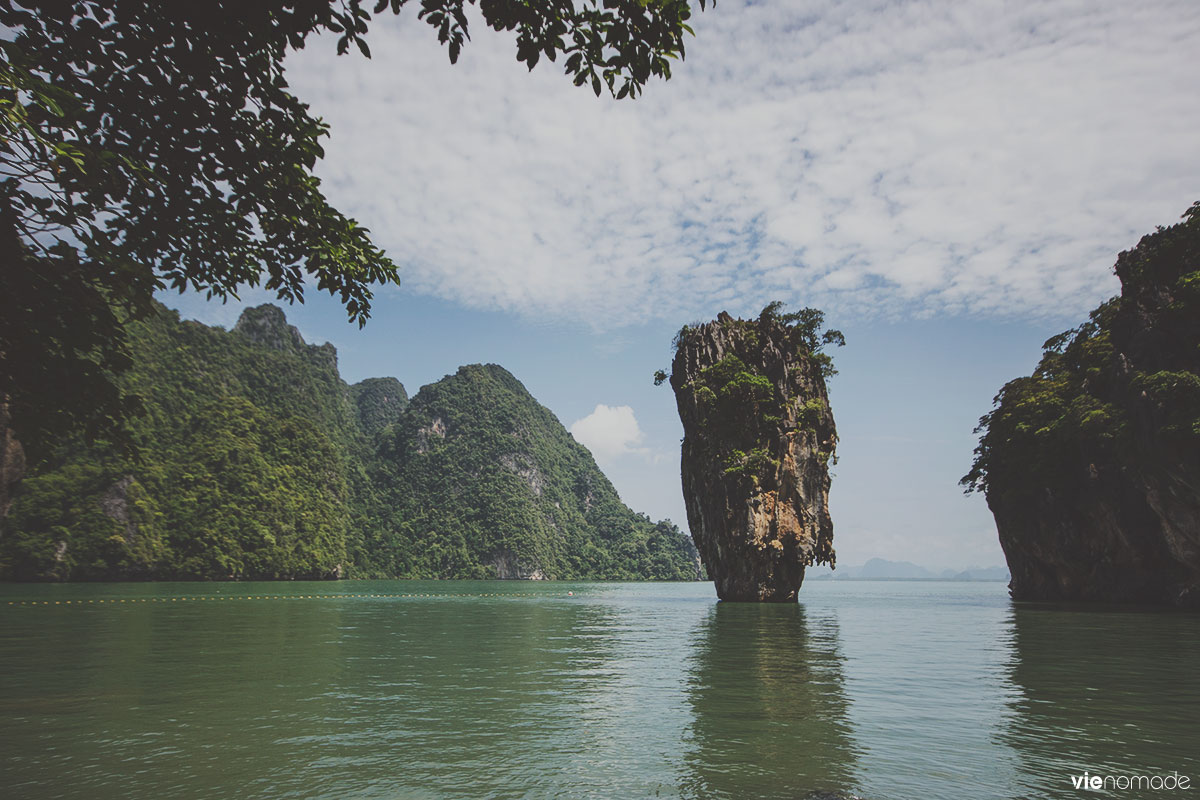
{"x":758,"y":440}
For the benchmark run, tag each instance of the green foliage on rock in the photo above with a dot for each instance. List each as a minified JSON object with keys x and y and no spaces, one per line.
{"x":378,"y":402}
{"x":735,"y":397}
{"x":1124,"y":387}
{"x":757,"y":462}
{"x":744,"y":403}
{"x":83,"y":522}
{"x":251,"y":494}
{"x":254,"y":460}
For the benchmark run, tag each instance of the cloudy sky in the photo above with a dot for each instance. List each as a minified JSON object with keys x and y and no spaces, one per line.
{"x":949,"y":181}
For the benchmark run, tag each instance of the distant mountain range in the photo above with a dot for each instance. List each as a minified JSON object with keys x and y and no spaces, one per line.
{"x":880,"y":569}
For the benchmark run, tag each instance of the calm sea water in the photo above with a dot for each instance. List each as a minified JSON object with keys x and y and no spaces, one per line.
{"x":511,"y":690}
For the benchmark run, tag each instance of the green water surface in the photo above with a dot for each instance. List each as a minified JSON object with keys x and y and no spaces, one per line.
{"x":510,"y":690}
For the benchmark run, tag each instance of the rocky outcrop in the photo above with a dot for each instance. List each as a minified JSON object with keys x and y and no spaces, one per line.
{"x":525,"y":468}
{"x":114,"y":503}
{"x":267,"y":326}
{"x":378,"y":403}
{"x":137,"y":545}
{"x":1104,"y":533}
{"x":758,"y":439}
{"x":1091,"y":466}
{"x":509,"y":568}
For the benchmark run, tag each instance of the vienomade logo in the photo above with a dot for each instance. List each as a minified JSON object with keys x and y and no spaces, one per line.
{"x":1100,"y":782}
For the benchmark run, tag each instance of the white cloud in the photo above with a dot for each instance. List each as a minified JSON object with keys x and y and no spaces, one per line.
{"x":610,"y":432}
{"x":910,"y":158}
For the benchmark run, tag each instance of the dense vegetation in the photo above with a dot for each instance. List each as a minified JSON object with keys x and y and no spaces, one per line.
{"x":155,"y":144}
{"x":254,"y":460}
{"x":476,"y":476}
{"x":1122,"y":388}
{"x":748,"y":406}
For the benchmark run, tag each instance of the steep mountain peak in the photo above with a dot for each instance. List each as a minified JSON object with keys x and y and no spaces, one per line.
{"x":267,"y":325}
{"x":490,"y":372}
{"x":378,"y":402}
{"x":498,"y":488}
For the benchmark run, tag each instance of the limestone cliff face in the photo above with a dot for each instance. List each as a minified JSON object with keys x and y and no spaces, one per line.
{"x":1105,"y":533}
{"x":758,"y":439}
{"x":1092,"y":465}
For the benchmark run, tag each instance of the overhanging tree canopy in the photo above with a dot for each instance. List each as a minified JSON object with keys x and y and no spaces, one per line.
{"x":146,"y":145}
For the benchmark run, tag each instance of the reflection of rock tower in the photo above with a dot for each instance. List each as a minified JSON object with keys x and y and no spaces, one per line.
{"x":758,"y":438}
{"x":758,"y":669}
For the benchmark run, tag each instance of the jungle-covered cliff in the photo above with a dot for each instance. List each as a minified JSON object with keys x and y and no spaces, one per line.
{"x":478,"y":480}
{"x":1091,"y":466}
{"x":254,"y":460}
{"x":758,"y":439}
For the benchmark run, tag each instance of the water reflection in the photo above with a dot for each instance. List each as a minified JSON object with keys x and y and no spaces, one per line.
{"x":1107,"y":692}
{"x":454,"y":690}
{"x":766,"y":690}
{"x":463,"y":697}
{"x":890,"y":691}
{"x":505,"y":697}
